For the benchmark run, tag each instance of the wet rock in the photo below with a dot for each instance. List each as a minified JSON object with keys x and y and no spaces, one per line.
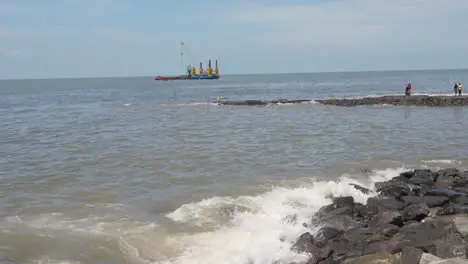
{"x":393,"y":245}
{"x":445,"y":192}
{"x":387,"y":217}
{"x":415,"y":212}
{"x":341,"y":222}
{"x":430,"y":201}
{"x":378,"y":258}
{"x":325,"y":234}
{"x":411,"y":255}
{"x":360,"y":188}
{"x":305,"y":243}
{"x":407,"y":174}
{"x":428,"y":259}
{"x":393,"y":188}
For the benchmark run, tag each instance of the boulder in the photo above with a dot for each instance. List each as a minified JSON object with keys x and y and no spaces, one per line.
{"x":377,"y":258}
{"x":386,"y":203}
{"x":461,"y":224}
{"x":387,"y":217}
{"x":430,"y":201}
{"x":324,"y":234}
{"x":428,"y":259}
{"x":393,"y":188}
{"x":367,"y":211}
{"x":415,"y":212}
{"x":411,"y":255}
{"x":407,"y":174}
{"x":305,"y":243}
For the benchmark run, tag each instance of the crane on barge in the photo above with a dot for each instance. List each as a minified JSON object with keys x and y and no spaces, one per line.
{"x":191,"y":74}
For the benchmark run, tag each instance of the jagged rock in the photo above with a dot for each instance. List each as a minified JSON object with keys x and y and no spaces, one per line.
{"x":360,"y":188}
{"x":428,"y":259}
{"x":415,"y":212}
{"x":304,"y":243}
{"x":325,"y":234}
{"x":387,"y":217}
{"x":393,"y":188}
{"x":411,"y":255}
{"x":377,"y":258}
{"x":430,"y":201}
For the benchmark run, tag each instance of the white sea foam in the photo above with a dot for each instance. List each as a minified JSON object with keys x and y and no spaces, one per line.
{"x":263,"y":231}
{"x":441,"y":161}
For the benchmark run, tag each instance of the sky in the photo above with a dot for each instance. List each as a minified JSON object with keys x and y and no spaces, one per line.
{"x":106,"y":38}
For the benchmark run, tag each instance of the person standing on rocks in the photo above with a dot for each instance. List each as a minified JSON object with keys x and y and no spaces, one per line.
{"x":408,"y":89}
{"x":460,"y":88}
{"x":455,"y":88}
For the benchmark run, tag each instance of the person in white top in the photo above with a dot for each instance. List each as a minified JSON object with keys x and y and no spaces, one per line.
{"x":460,"y":88}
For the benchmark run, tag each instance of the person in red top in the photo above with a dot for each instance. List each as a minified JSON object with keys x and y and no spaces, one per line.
{"x":408,"y":89}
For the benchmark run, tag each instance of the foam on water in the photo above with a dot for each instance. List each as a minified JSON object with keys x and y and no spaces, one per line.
{"x":263,"y":231}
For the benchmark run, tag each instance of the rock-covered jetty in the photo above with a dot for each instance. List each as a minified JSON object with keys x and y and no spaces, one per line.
{"x":416,"y":100}
{"x":418,"y":217}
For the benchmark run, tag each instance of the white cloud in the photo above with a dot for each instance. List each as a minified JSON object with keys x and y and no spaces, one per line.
{"x":355,"y":24}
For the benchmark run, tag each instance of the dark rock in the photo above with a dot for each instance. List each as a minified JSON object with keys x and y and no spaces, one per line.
{"x":393,"y":188}
{"x":411,"y":255}
{"x":386,"y":203}
{"x":430,"y":201}
{"x":305,"y":243}
{"x":325,"y":234}
{"x":341,"y":222}
{"x":451,"y":209}
{"x":344,"y":201}
{"x":360,"y":188}
{"x":407,"y":174}
{"x":367,"y":211}
{"x":389,"y":230}
{"x":461,"y":189}
{"x":445,"y":192}
{"x":415,"y":212}
{"x":387,"y":217}
{"x":377,"y":258}
{"x":462,"y":200}
{"x":450,"y":246}
{"x":393,"y":245}
{"x":346,"y":248}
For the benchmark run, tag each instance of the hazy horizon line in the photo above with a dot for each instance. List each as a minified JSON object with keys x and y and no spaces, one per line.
{"x":232,"y":74}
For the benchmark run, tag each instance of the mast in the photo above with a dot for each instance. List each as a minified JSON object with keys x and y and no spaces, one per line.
{"x":182,"y":55}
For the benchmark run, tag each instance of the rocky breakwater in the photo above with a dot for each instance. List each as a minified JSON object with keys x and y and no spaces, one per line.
{"x":418,"y":217}
{"x":416,"y":100}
